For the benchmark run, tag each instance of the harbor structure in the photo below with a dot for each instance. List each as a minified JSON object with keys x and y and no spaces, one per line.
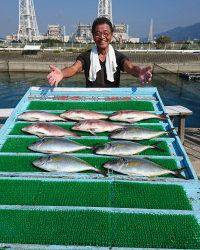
{"x":120,"y":33}
{"x":55,"y":31}
{"x":83,"y":32}
{"x":105,"y":9}
{"x":28,"y":27}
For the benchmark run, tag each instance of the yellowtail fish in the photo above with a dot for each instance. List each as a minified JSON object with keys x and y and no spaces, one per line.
{"x":140,"y":167}
{"x":136,"y":133}
{"x":123,"y":148}
{"x":56,"y":146}
{"x":64,"y":163}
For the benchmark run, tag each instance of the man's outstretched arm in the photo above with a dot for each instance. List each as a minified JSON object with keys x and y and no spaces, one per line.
{"x":144,"y":74}
{"x":56,"y":75}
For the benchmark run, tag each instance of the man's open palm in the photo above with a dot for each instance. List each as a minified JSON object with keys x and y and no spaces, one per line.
{"x":145,"y":75}
{"x":55,"y":76}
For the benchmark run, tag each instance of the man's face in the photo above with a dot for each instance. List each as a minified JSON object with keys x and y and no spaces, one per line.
{"x":102,"y":36}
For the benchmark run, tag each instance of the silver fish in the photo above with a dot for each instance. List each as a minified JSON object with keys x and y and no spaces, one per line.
{"x":47,"y":130}
{"x":63,"y":163}
{"x":96,"y":126}
{"x":41,"y":116}
{"x":136,"y":133}
{"x":56,"y":146}
{"x":81,"y":115}
{"x":139,"y":167}
{"x":134,"y":116}
{"x":122,"y":148}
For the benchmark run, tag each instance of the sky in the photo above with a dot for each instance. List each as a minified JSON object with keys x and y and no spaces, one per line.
{"x":166,"y":14}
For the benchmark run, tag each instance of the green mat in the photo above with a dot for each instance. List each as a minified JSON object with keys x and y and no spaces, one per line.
{"x":20,"y":145}
{"x":121,"y":194}
{"x":98,"y":228}
{"x":19,"y":163}
{"x":94,"y":105}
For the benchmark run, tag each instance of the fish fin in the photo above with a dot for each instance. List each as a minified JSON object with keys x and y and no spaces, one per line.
{"x":34,"y":120}
{"x":62,"y":119}
{"x":114,"y":113}
{"x":152,"y":178}
{"x":41,"y":135}
{"x":92,"y":132}
{"x":178,"y":173}
{"x":129,"y":121}
{"x":156,"y":147}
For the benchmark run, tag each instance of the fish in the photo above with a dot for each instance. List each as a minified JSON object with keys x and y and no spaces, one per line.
{"x":48,"y":130}
{"x":40,"y":116}
{"x":56,"y":146}
{"x":140,"y":167}
{"x":123,"y":148}
{"x":132,"y":116}
{"x":96,"y":126}
{"x":135,"y":133}
{"x":81,"y":115}
{"x":63,"y":163}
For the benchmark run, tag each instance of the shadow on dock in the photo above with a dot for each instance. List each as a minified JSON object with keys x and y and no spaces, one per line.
{"x":192,"y":146}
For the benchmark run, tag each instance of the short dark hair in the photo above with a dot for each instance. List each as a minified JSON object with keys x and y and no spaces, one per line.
{"x":102,"y":20}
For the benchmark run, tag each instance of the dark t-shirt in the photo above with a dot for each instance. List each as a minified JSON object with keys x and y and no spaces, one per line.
{"x":101,"y":80}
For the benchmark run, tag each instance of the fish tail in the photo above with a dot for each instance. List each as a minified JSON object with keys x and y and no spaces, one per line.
{"x":114,"y":113}
{"x":156,"y":146}
{"x":96,"y":147}
{"x":178,"y":173}
{"x":103,"y":172}
{"x":107,"y":118}
{"x":163,"y":116}
{"x":76,"y":136}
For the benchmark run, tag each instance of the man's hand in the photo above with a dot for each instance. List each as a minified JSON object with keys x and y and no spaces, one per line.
{"x":145,"y":75}
{"x":55,"y":76}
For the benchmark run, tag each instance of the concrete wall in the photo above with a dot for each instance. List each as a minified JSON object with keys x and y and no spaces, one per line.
{"x":34,"y":66}
{"x":4,"y":66}
{"x":20,"y":66}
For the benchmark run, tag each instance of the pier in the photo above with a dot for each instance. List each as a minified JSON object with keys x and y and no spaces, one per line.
{"x":190,"y":76}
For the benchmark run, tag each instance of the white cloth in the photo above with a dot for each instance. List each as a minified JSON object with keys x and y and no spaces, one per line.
{"x":111,"y":64}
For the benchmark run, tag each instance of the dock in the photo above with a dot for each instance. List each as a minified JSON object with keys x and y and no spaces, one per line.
{"x":192,"y":146}
{"x":190,"y":76}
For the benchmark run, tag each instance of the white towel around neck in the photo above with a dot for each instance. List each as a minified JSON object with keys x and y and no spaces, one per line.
{"x":111,"y":64}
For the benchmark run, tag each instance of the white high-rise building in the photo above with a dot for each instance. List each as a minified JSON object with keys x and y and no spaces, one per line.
{"x":150,"y":37}
{"x":28,"y":28}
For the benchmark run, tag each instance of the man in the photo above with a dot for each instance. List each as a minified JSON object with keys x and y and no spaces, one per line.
{"x":102,"y":64}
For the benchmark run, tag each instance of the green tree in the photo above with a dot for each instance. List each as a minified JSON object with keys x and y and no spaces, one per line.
{"x":51,"y":42}
{"x":162,"y":41}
